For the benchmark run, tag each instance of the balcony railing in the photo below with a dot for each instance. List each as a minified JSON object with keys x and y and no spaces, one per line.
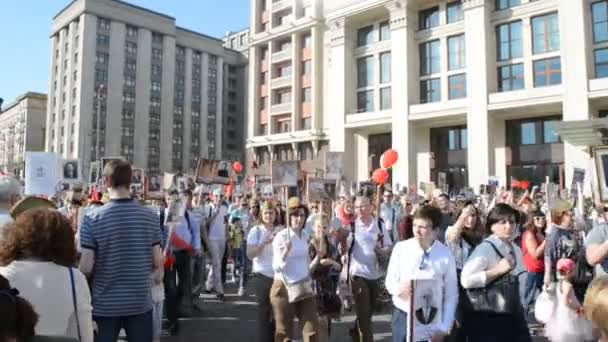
{"x":280,"y":5}
{"x":282,"y":55}
{"x":280,"y":108}
{"x":281,"y":82}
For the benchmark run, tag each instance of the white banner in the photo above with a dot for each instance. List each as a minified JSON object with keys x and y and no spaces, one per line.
{"x":41,"y":173}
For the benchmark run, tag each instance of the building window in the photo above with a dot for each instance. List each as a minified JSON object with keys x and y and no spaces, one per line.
{"x":130,"y":64}
{"x":157,"y":38}
{"x":365,"y":36}
{"x":430,"y":60}
{"x":156,"y":69}
{"x":456,"y":52}
{"x":385,"y":67}
{"x":457,"y":139}
{"x":155,"y":86}
{"x":528,"y":133}
{"x":550,"y":135}
{"x":365,"y":71}
{"x":458,"y":86}
{"x":428,"y":18}
{"x":306,"y":41}
{"x":601,"y":63}
{"x":511,"y":77}
{"x":75,"y":75}
{"x":181,"y":51}
{"x":129,"y":81}
{"x":385,"y":98}
{"x":131,"y":31}
{"x":76,"y":57}
{"x":103,"y":40}
{"x":509,"y":40}
{"x":600,"y":21}
{"x":128,"y":97}
{"x":454,"y":12}
{"x":365,"y":101}
{"x":306,"y":95}
{"x":430,"y":90}
{"x":545,"y":33}
{"x":504,"y":4}
{"x":103,"y":23}
{"x":385,"y":31}
{"x":284,"y":70}
{"x":306,"y":123}
{"x":306,"y":67}
{"x":101,"y":76}
{"x":102,"y":58}
{"x":547,"y":72}
{"x":131,"y":48}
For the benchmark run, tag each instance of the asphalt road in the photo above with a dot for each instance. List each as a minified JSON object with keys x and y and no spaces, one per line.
{"x":234,"y":320}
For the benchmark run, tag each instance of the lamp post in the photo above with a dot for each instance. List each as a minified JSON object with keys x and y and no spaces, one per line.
{"x":100,"y":89}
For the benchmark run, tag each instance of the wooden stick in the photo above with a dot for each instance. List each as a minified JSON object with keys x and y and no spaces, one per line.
{"x":411,"y":313}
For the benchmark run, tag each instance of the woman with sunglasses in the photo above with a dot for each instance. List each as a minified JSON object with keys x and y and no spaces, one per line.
{"x":533,"y":248}
{"x":497,"y":260}
{"x":291,"y":264}
{"x":259,"y":250}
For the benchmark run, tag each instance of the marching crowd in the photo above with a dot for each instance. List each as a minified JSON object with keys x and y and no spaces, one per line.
{"x":470,"y":268}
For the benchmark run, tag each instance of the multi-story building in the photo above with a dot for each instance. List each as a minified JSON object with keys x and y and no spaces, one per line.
{"x":126,"y":81}
{"x":21,"y":130}
{"x":469,"y":88}
{"x":235,"y":98}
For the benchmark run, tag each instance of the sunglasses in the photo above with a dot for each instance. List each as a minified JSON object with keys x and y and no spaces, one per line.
{"x":297,"y":215}
{"x":540,"y":218}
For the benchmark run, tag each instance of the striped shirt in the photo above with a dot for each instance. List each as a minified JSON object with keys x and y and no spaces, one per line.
{"x":122,"y":234}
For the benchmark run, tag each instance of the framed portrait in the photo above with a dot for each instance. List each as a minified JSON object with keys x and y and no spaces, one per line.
{"x":137,"y":177}
{"x":285,"y":173}
{"x":70,"y":170}
{"x":601,"y":165}
{"x":334,"y":162}
{"x":94,"y":172}
{"x":206,"y":171}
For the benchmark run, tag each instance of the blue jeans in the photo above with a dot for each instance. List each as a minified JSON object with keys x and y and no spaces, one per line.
{"x":399,"y":325}
{"x":534,"y":285}
{"x":138,"y":328}
{"x":157,"y":324}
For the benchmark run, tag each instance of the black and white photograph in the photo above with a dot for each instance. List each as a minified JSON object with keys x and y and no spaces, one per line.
{"x":334,"y":162}
{"x":71,"y":170}
{"x":428,"y":299}
{"x":206,"y":171}
{"x":285,"y":173}
{"x":154,"y":184}
{"x":601,"y":164}
{"x":137,"y":177}
{"x":94,"y":173}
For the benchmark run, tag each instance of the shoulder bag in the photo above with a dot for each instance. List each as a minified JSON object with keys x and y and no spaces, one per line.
{"x":75,"y":302}
{"x":501,"y":296}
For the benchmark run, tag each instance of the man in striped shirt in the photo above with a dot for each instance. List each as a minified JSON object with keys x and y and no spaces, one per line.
{"x":120,"y":249}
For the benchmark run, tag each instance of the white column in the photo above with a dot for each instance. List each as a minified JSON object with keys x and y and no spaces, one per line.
{"x":499,"y":144}
{"x":422,"y":146}
{"x":187,"y":128}
{"x":254,"y":91}
{"x":361,"y":151}
{"x":402,"y":55}
{"x":166,"y":117}
{"x":113,"y":130}
{"x":296,"y":85}
{"x":575,"y":74}
{"x":337,"y":84}
{"x":477,"y":30}
{"x":142,"y":99}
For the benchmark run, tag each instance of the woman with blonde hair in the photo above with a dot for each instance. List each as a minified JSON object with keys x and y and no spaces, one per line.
{"x":325,"y":273}
{"x":596,"y":306}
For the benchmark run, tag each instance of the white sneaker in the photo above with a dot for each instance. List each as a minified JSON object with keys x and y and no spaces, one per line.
{"x":241,"y":292}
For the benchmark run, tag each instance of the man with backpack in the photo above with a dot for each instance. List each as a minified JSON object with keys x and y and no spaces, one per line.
{"x":366,"y":242}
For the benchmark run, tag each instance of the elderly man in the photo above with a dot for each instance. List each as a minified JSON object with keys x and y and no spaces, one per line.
{"x":10,"y":190}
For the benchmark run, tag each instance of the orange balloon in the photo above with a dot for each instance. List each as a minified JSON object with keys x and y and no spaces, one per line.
{"x":389,"y":158}
{"x":380,"y":176}
{"x":237,"y":167}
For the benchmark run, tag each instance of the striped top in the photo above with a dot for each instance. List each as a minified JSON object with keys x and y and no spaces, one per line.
{"x":122,"y":234}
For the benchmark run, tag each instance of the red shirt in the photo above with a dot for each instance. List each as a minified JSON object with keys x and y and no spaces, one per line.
{"x":532,"y":264}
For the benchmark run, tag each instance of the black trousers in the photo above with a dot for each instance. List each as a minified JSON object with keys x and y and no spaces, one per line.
{"x":266,"y":325}
{"x":177,"y":293}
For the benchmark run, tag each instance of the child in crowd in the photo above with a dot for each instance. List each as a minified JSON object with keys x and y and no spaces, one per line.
{"x":568,"y":323}
{"x":158,"y":297}
{"x":236,"y":235}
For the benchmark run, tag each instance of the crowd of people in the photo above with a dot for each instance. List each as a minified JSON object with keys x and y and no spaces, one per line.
{"x":470,"y":268}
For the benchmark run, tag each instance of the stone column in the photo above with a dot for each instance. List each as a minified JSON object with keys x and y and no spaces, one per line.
{"x":477,"y":31}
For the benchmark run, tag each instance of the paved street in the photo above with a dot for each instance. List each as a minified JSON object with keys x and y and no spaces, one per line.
{"x":234,"y":320}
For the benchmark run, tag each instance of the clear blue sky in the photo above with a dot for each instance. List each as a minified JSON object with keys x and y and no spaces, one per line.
{"x":26,"y":24}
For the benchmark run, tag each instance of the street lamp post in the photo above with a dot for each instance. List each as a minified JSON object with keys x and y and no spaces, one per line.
{"x":97,"y":131}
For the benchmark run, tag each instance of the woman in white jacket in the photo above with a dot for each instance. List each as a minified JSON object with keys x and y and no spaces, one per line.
{"x":37,"y":255}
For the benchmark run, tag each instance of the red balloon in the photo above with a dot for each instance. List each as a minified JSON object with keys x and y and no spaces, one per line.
{"x":388,"y":158}
{"x":524,"y":185}
{"x":380,"y":176}
{"x":515,"y":183}
{"x":238,"y":167}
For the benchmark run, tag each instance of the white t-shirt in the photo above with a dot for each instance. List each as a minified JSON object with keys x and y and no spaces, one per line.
{"x":217,"y":230}
{"x":364,"y":262}
{"x":296,"y":265}
{"x":47,"y":287}
{"x":262,"y":263}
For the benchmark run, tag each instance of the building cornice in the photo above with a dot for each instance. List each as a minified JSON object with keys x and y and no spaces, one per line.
{"x":470,"y":4}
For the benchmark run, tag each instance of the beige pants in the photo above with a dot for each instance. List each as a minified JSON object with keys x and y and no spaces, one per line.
{"x":214,"y":280}
{"x":285,"y":312}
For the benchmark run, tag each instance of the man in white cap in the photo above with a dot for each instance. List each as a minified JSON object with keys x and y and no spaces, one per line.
{"x":10,"y":190}
{"x":217,"y":233}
